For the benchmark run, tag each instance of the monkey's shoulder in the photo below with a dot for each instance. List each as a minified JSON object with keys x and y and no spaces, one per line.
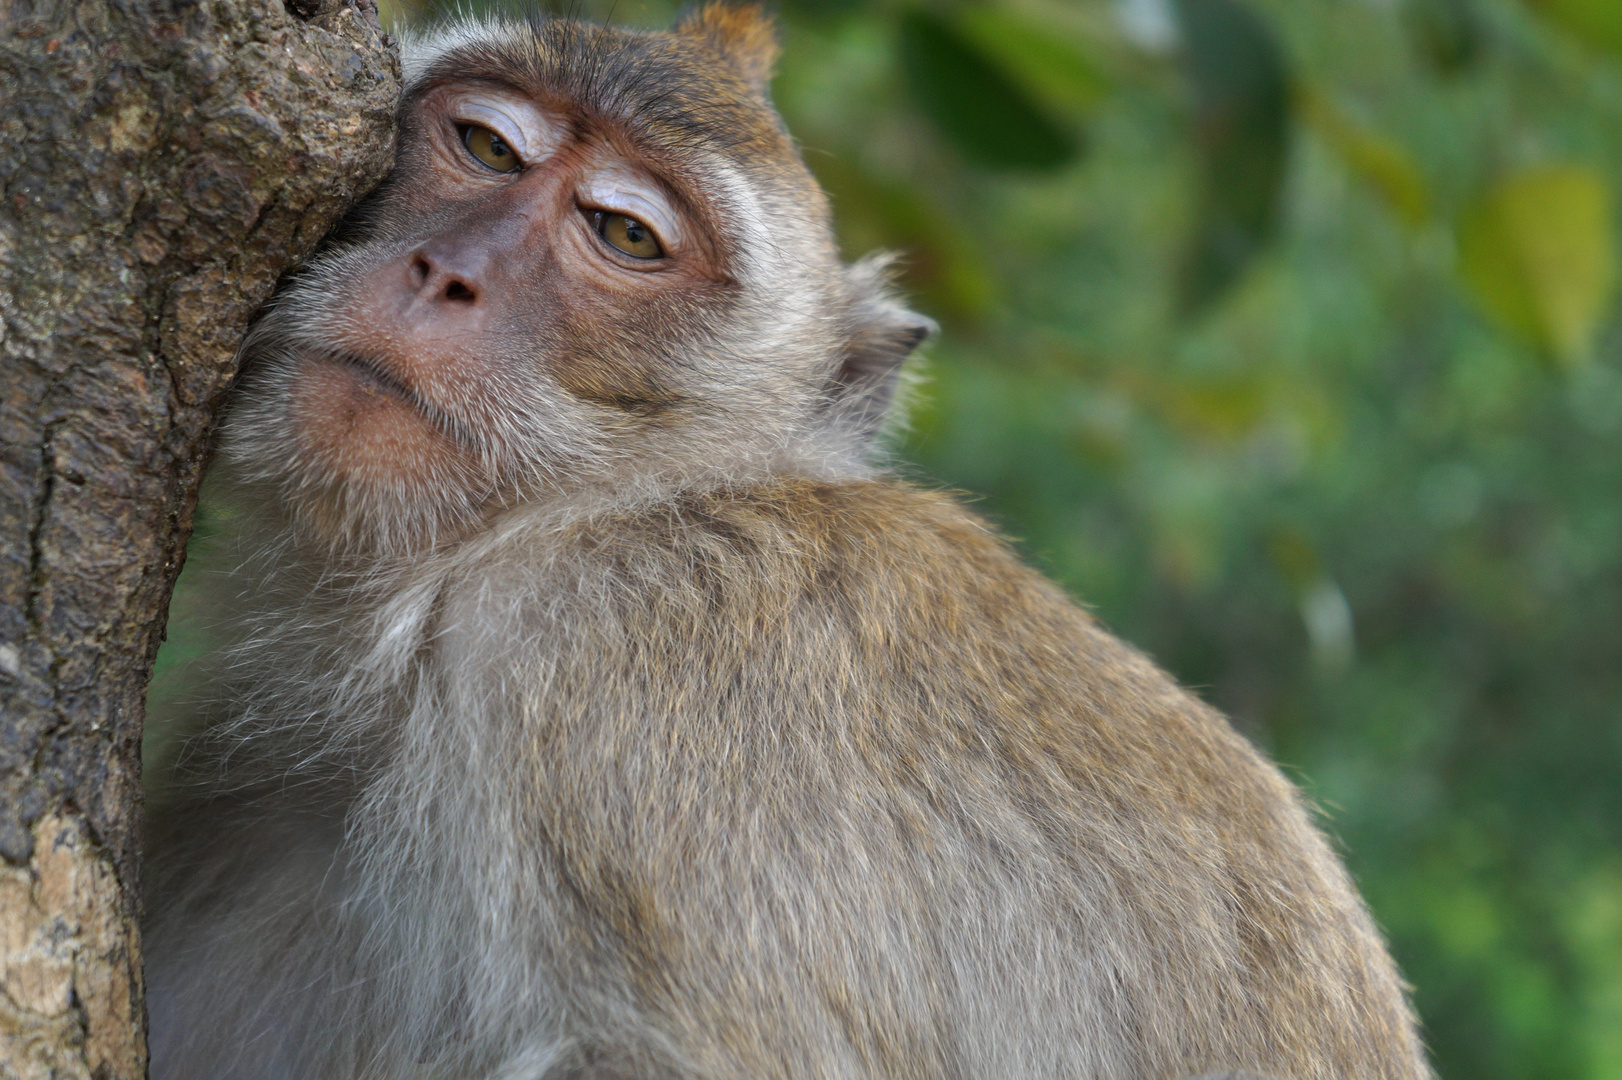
{"x":809,"y":676}
{"x":900,"y":574}
{"x":887,"y":640}
{"x":892,"y":554}
{"x":820,"y":533}
{"x":873,"y":599}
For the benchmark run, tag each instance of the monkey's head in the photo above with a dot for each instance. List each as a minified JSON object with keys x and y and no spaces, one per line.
{"x":598,"y":262}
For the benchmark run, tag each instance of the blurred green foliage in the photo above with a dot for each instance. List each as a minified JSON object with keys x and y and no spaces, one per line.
{"x":1283,"y":332}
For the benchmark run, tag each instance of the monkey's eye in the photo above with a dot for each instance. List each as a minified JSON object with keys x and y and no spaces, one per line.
{"x":626,"y":234}
{"x":489,"y":148}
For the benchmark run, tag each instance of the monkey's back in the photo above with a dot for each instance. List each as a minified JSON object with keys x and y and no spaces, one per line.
{"x":831,"y":746}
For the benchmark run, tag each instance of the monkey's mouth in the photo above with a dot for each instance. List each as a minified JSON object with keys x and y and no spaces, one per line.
{"x":372,"y":377}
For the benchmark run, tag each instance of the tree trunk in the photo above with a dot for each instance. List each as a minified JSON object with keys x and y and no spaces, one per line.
{"x":163,"y":162}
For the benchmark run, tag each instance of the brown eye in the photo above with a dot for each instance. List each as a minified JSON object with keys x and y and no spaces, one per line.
{"x":489,"y":148}
{"x":627,"y":234}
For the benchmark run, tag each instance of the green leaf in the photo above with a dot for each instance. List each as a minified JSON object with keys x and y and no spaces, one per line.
{"x":1538,"y":250}
{"x":1242,"y":128}
{"x":1051,"y":69}
{"x":1446,"y":33}
{"x":1380,"y":162}
{"x":940,"y":263}
{"x":1595,"y":22}
{"x":985,"y":113}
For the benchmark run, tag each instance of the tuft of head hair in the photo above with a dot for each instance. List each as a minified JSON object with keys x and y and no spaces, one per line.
{"x":743,"y":33}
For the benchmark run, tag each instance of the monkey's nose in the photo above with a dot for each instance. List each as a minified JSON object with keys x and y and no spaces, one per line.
{"x":441,"y":277}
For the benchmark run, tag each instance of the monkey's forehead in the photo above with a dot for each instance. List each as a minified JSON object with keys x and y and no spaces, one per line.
{"x":675,"y":93}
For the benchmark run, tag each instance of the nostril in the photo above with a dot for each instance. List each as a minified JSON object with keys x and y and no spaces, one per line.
{"x":432,"y":277}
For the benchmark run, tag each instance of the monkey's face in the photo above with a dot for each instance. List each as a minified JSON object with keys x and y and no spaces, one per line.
{"x":598,"y":260}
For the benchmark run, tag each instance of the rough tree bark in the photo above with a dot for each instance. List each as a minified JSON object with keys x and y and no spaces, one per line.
{"x":163,"y":162}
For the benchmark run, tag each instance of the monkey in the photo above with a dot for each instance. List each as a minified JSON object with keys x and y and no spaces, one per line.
{"x":600,"y":703}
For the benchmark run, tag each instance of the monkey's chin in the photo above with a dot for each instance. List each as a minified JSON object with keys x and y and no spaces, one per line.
{"x":385,"y":475}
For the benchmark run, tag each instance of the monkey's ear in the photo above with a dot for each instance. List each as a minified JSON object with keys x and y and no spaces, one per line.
{"x":743,"y":32}
{"x":882,"y":335}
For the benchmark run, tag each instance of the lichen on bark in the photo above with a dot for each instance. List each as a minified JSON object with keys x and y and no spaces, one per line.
{"x":162,"y":163}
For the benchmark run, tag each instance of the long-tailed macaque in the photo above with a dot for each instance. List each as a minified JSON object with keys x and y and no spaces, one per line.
{"x":598,"y":709}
